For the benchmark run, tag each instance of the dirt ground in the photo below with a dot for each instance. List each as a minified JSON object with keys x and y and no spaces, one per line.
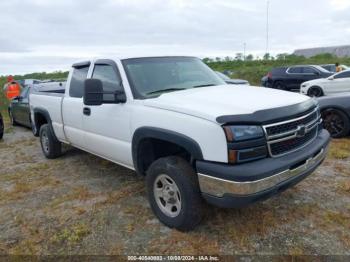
{"x":81,"y":204}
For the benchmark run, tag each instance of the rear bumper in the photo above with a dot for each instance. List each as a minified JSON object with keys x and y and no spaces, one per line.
{"x":236,"y":186}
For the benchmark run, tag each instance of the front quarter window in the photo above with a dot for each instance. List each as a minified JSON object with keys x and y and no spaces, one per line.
{"x":150,"y":77}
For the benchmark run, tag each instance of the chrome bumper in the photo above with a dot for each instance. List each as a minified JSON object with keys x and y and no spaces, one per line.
{"x":219,"y":187}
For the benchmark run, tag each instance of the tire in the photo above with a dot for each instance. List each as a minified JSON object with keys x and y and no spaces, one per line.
{"x":279,"y":85}
{"x":315,"y":91}
{"x":336,"y":122}
{"x":186,"y":202}
{"x":12,"y":120}
{"x":50,"y":146}
{"x":1,"y":127}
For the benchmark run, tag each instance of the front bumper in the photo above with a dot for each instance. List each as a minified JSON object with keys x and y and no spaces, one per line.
{"x":238,"y":185}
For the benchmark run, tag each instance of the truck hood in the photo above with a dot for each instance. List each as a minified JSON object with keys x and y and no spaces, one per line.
{"x":214,"y":101}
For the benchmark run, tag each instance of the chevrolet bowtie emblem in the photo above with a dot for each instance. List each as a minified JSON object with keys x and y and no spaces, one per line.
{"x":301,"y":131}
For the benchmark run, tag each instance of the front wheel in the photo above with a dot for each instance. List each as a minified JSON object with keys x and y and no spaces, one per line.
{"x":174,"y":193}
{"x":336,"y":122}
{"x":50,"y":146}
{"x":315,"y":91}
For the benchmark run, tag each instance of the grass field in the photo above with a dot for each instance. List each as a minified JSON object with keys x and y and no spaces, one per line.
{"x":82,"y":204}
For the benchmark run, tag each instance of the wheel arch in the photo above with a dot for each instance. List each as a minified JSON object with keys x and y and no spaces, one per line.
{"x":41,"y":117}
{"x":316,"y":86}
{"x":144,"y":135}
{"x":335,"y":107}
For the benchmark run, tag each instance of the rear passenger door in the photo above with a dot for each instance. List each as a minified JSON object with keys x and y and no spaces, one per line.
{"x":72,"y":106}
{"x":295,"y":77}
{"x":107,"y":127}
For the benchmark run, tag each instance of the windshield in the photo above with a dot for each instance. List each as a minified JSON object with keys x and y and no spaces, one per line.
{"x":150,"y":77}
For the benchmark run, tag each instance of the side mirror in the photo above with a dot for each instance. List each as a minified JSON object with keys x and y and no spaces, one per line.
{"x":93,"y":92}
{"x":331,"y":78}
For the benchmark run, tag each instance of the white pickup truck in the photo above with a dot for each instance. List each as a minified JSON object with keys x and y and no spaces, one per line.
{"x":193,"y":137}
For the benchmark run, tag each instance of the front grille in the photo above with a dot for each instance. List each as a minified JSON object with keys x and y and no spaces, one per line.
{"x":282,"y":128}
{"x":282,"y":147}
{"x":290,"y":135}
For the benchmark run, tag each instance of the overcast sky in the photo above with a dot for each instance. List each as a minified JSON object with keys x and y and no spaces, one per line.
{"x":48,"y":35}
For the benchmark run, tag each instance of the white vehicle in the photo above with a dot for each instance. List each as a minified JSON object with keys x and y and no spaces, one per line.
{"x":337,"y":83}
{"x":193,"y":137}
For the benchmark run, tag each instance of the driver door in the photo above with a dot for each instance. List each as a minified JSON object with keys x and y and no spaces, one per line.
{"x":107,"y":127}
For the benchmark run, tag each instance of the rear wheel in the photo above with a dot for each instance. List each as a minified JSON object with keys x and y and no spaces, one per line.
{"x":49,"y":144}
{"x":174,"y":193}
{"x":315,"y":91}
{"x":279,"y":85}
{"x":336,"y":122}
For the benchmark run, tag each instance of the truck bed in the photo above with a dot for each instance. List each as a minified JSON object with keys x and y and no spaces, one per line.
{"x":50,"y":102}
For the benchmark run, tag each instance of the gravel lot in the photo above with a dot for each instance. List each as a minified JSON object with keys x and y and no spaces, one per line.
{"x":81,"y":204}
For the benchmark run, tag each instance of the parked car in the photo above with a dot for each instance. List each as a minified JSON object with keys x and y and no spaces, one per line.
{"x":332,"y":68}
{"x":335,"y":112}
{"x":175,"y":122}
{"x":337,"y":83}
{"x":232,"y":81}
{"x":290,"y":78}
{"x":1,"y":126}
{"x":18,"y":110}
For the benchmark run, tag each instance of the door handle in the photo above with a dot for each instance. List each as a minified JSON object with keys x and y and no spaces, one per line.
{"x":87,"y":111}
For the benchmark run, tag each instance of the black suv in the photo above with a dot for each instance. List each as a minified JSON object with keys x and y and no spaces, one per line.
{"x":1,"y":127}
{"x":290,"y":78}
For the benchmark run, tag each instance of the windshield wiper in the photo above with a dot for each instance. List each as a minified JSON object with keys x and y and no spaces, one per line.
{"x":165,"y":90}
{"x":204,"y":85}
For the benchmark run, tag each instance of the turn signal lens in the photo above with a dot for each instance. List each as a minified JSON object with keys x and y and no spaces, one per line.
{"x":229,"y":134}
{"x":232,"y":156}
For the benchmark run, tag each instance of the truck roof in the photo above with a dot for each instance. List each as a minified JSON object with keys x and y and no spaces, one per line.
{"x":117,"y":58}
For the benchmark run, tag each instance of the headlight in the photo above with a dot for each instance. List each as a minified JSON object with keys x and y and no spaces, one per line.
{"x":241,"y":133}
{"x":304,"y":85}
{"x":245,"y":143}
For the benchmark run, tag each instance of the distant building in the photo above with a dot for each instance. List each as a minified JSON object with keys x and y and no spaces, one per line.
{"x":340,"y":51}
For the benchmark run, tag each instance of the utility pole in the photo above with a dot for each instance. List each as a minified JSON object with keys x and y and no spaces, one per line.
{"x":244,"y":47}
{"x":267,"y":26}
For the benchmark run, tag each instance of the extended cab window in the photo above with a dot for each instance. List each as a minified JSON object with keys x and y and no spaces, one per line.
{"x":77,"y":83}
{"x":295,"y":70}
{"x":110,"y":79}
{"x":342,"y":75}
